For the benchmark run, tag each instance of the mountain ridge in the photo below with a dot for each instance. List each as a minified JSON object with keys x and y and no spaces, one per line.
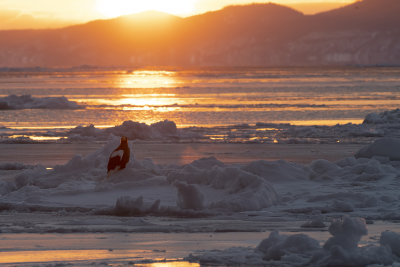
{"x":363,"y":33}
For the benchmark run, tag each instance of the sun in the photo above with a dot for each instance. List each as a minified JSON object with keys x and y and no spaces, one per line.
{"x":115,"y":8}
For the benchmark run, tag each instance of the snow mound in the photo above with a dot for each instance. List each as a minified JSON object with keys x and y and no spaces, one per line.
{"x":29,"y":102}
{"x":226,"y":187}
{"x":277,"y":246}
{"x":189,"y":196}
{"x":346,"y":232}
{"x":383,"y":147}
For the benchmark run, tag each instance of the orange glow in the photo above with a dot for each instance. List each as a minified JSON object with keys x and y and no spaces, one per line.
{"x":28,"y":14}
{"x":114,"y":8}
{"x":323,"y":122}
{"x":17,"y":257}
{"x":148,"y":79}
{"x":148,"y":103}
{"x":37,"y":138}
{"x":172,"y":264}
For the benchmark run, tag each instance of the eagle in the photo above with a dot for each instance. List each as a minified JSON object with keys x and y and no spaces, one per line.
{"x":119,"y":157}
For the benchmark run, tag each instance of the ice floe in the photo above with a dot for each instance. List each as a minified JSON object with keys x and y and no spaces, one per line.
{"x":29,"y":102}
{"x":133,"y":130}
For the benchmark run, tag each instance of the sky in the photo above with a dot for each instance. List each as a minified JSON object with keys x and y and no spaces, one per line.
{"x":22,"y":14}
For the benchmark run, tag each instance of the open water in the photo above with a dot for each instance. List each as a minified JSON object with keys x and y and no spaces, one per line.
{"x":205,"y":97}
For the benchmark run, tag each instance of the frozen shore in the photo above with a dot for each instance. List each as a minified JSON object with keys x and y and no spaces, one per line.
{"x":215,"y":196}
{"x":285,"y":204}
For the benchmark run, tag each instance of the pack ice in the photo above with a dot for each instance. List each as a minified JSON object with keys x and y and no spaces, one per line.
{"x":365,"y":185}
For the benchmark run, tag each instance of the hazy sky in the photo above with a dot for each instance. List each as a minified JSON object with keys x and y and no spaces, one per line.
{"x":17,"y":14}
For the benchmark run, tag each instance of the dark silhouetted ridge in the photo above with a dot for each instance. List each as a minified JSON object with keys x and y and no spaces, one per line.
{"x":363,"y":33}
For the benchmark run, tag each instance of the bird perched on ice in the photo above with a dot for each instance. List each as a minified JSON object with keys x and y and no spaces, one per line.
{"x":119,"y":157}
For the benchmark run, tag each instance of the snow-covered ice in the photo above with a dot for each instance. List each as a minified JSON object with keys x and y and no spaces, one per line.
{"x":29,"y":102}
{"x":364,"y":185}
{"x":209,"y":195}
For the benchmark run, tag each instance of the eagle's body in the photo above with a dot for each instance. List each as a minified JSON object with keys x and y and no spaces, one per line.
{"x":119,"y":157}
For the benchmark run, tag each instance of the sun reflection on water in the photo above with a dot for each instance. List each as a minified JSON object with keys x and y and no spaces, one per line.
{"x":70,"y":256}
{"x":148,"y":79}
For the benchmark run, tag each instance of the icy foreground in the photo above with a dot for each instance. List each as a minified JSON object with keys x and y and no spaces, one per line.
{"x":301,"y":250}
{"x":364,"y":186}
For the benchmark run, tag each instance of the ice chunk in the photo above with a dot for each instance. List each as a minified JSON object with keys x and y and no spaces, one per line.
{"x":128,"y":206}
{"x":276,"y":245}
{"x":316,"y":222}
{"x":384,"y":147}
{"x":131,"y":129}
{"x":324,"y":170}
{"x":29,"y":102}
{"x":391,"y":240}
{"x":189,"y":196}
{"x":390,"y":116}
{"x":346,"y":232}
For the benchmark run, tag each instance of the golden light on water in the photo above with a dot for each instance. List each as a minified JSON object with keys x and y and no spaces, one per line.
{"x":156,"y":100}
{"x":37,"y":138}
{"x":148,"y":79}
{"x":146,"y":100}
{"x":18,"y":257}
{"x":173,"y":264}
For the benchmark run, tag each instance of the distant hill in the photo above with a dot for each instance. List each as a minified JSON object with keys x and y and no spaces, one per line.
{"x":364,"y":33}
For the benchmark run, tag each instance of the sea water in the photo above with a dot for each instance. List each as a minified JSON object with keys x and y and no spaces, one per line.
{"x":202,"y":97}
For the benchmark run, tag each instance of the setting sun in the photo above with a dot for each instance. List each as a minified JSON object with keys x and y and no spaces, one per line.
{"x":114,"y":8}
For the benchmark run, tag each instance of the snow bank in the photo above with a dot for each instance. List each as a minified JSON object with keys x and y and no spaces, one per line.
{"x":301,"y":250}
{"x":29,"y":102}
{"x":384,"y":147}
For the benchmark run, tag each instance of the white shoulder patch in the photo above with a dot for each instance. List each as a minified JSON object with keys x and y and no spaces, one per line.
{"x":117,"y":153}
